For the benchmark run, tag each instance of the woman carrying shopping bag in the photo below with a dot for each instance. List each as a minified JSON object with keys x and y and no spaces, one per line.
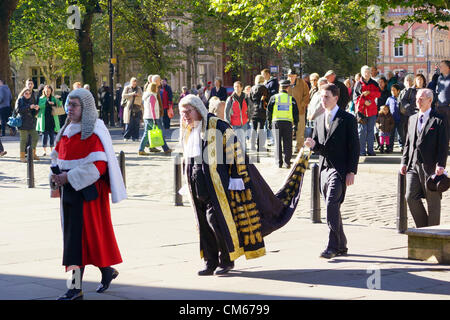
{"x":152,"y":117}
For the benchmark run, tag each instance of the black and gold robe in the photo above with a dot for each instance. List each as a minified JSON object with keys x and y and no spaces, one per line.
{"x":245,"y":217}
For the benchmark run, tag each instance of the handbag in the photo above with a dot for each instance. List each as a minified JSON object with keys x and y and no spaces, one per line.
{"x":156,"y":138}
{"x":15,"y":121}
{"x":58,"y":111}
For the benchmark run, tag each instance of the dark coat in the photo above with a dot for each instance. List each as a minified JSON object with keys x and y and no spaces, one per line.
{"x":221,"y":94}
{"x":259,"y":96}
{"x":273,"y":86}
{"x":28,"y":115}
{"x":344,"y":98}
{"x":432,"y":143}
{"x":341,"y":146}
{"x":407,"y":101}
{"x":385,"y":122}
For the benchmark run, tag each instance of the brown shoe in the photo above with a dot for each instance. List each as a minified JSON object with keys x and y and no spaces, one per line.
{"x":3,"y":153}
{"x":143,"y":153}
{"x":35,"y":157}
{"x":22,"y":157}
{"x":168,"y":151}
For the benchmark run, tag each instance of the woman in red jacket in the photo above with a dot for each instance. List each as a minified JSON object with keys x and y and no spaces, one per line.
{"x":366,"y":91}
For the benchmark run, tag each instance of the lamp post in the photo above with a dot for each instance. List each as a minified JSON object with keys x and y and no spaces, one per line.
{"x":429,"y":39}
{"x":111,"y":62}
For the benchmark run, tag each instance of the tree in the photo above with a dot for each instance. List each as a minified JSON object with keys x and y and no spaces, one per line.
{"x":298,"y":23}
{"x":6,"y":10}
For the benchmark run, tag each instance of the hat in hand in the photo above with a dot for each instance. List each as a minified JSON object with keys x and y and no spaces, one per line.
{"x":438,"y":183}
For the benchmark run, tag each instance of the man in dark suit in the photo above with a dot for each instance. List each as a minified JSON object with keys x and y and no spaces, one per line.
{"x":425,"y":153}
{"x":335,"y":139}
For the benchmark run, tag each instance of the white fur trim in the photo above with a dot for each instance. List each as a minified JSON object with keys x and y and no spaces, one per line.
{"x":72,"y":164}
{"x":83,"y":175}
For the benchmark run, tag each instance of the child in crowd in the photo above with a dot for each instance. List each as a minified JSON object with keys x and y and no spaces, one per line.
{"x":392,"y":103}
{"x":385,"y":124}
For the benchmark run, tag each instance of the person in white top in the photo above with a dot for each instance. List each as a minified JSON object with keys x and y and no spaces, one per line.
{"x":152,"y":117}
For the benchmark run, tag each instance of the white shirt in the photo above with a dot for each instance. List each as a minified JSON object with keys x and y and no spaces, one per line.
{"x":426,"y":116}
{"x":333,"y":114}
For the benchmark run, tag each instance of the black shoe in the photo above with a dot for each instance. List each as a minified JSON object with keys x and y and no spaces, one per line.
{"x":106,"y":282}
{"x":328,"y":254}
{"x":225,"y":269}
{"x":208,"y":271}
{"x":72,"y":294}
{"x":342,"y":252}
{"x":373,"y":154}
{"x":287,"y":165}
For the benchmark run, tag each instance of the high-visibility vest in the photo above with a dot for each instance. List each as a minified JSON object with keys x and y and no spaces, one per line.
{"x":282,"y":110}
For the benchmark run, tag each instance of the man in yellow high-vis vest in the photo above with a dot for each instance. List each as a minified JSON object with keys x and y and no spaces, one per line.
{"x":282,"y":112}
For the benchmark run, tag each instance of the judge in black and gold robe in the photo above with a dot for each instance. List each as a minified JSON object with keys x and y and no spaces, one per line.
{"x":234,"y":206}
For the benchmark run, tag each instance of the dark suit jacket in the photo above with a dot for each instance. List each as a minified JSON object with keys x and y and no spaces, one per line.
{"x":432,"y":143}
{"x":341,"y":146}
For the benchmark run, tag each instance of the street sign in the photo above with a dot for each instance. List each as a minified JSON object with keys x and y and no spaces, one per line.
{"x":296,"y":65}
{"x":273,"y":69}
{"x":113,"y":60}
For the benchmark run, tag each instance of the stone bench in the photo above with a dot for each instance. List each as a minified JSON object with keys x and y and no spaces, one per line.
{"x":429,"y":243}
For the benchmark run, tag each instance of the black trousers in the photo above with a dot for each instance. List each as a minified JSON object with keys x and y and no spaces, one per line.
{"x":132,"y":128}
{"x":215,"y":251}
{"x":333,"y":189}
{"x":283,"y":141}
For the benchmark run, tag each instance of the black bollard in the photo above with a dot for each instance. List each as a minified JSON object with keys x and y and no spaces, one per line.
{"x":402,"y":215}
{"x":177,"y":180}
{"x":122,"y":166}
{"x":30,"y":167}
{"x":315,"y":194}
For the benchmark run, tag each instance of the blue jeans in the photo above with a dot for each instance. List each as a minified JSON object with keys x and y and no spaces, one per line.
{"x":148,"y":125}
{"x":367,"y":135}
{"x":241,"y":133}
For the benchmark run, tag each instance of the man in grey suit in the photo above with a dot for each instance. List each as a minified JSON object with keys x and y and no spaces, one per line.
{"x":425,"y":154}
{"x":335,"y":139}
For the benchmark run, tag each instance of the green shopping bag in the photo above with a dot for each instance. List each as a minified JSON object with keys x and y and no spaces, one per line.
{"x":155,"y":137}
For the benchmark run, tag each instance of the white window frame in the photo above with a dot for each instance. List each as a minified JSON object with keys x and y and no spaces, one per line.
{"x":398,"y":47}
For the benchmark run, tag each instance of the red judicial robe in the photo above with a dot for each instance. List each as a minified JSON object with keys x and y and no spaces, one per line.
{"x":86,"y":217}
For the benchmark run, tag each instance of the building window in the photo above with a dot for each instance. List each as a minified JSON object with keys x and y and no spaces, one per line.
{"x":420,"y":47}
{"x":37,"y":76}
{"x":398,"y":48}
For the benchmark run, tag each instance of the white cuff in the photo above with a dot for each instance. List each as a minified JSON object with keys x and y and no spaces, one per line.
{"x":236,"y":184}
{"x":83,"y":176}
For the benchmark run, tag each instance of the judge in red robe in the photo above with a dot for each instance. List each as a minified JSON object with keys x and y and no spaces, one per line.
{"x":89,"y":172}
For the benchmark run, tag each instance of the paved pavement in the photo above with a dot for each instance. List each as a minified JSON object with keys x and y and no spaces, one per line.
{"x":159,"y":242}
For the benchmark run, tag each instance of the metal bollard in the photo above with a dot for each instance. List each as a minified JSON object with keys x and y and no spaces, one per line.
{"x":122,"y":166}
{"x":30,"y":167}
{"x":177,"y":180}
{"x":315,"y":194}
{"x":402,"y":214}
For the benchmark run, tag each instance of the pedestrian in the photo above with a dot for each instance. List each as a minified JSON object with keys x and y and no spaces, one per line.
{"x":385,"y":124}
{"x":424,"y":155}
{"x":149,"y":81}
{"x":272,"y":86}
{"x":283,"y":114}
{"x":217,"y":107}
{"x":299,"y":90}
{"x":307,"y":79}
{"x":270,"y":82}
{"x":344,"y":98}
{"x":234,"y":207}
{"x":335,"y":139}
{"x":443,"y":91}
{"x":238,"y":113}
{"x":391,"y":78}
{"x":89,"y":171}
{"x":119,"y":107}
{"x":5,"y":107}
{"x":153,"y":113}
{"x":407,"y":104}
{"x":364,"y":96}
{"x":392,"y":103}
{"x":132,"y":113}
{"x":374,"y":73}
{"x":64,"y":93}
{"x":315,"y":107}
{"x":259,"y":98}
{"x":47,"y":123}
{"x":167,"y":102}
{"x":184,"y":92}
{"x":218,"y":90}
{"x":314,"y":77}
{"x":107,"y":108}
{"x":381,"y":101}
{"x":28,"y":110}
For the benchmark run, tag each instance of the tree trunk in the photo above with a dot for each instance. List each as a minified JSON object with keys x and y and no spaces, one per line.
{"x":6,"y":10}
{"x":188,"y":69}
{"x":85,"y":47}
